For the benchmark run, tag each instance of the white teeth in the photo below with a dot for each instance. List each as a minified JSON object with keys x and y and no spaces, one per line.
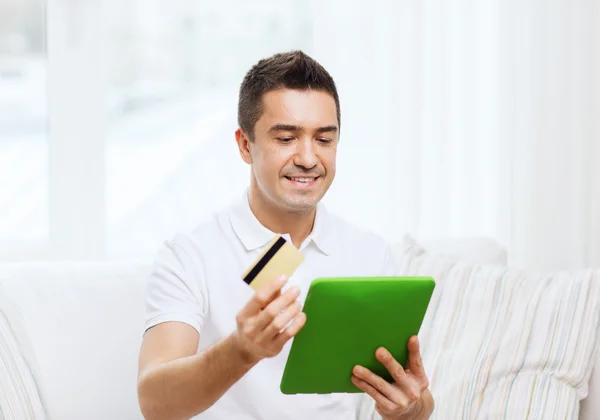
{"x":303,"y":179}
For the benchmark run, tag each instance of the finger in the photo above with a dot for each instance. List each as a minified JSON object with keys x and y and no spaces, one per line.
{"x":377,"y":382}
{"x":274,"y":309}
{"x":290,"y":331}
{"x":408,"y":384}
{"x":392,"y":365}
{"x":415,"y":362}
{"x":280,"y":321}
{"x":381,"y":400}
{"x":263,"y":297}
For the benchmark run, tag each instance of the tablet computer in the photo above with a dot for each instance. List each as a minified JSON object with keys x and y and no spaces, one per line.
{"x":347,"y":320}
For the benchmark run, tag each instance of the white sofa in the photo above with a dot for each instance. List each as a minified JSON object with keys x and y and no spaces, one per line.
{"x":78,"y":326}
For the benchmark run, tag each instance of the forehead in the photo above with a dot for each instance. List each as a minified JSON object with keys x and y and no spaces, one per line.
{"x":304,"y":108}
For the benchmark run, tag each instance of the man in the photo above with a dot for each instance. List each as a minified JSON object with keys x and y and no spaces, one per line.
{"x":215,"y":348}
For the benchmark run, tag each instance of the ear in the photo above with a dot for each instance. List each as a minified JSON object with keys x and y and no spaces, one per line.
{"x":243,"y":143}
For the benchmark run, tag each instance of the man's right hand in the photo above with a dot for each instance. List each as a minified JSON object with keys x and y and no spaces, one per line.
{"x":177,"y":381}
{"x":260,"y":324}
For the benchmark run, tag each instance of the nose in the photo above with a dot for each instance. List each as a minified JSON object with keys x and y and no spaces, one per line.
{"x":305,"y":154}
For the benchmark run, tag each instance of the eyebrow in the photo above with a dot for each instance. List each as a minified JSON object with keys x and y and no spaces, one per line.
{"x":289,"y":127}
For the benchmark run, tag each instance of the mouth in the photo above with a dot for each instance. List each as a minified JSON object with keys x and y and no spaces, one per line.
{"x":302,"y":181}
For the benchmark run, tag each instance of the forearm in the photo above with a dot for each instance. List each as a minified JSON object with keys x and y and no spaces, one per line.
{"x":183,"y":388}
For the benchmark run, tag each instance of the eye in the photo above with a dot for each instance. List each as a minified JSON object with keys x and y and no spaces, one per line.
{"x":285,"y":139}
{"x":324,"y":141}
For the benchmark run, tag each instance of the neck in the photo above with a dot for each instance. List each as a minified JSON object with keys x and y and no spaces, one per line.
{"x":298,"y":224}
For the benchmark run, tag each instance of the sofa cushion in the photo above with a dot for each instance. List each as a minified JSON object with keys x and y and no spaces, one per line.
{"x":474,"y":250}
{"x":19,"y":394}
{"x":590,"y":406}
{"x":85,"y":322}
{"x":505,"y":342}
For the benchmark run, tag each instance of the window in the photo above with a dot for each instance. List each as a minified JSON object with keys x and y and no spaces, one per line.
{"x":23,"y":129}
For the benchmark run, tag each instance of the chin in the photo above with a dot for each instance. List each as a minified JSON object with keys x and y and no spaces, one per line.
{"x":294,"y":198}
{"x":299,"y":203}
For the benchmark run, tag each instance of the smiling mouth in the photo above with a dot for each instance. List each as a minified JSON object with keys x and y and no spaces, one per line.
{"x":302,"y":180}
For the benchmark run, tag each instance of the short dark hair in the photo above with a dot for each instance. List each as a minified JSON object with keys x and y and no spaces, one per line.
{"x":289,"y":70}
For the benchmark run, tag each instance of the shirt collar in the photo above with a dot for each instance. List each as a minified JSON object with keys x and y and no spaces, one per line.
{"x":253,"y":234}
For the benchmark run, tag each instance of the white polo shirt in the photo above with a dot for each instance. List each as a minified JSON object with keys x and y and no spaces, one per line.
{"x":197,"y":279}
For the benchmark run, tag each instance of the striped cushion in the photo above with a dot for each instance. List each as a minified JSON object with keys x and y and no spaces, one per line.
{"x":19,"y":394}
{"x":506,"y":343}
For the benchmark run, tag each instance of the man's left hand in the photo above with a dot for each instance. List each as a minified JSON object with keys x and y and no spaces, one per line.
{"x":408,"y":396}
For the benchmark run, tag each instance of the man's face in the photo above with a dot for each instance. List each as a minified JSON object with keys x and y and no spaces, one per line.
{"x":294,"y":149}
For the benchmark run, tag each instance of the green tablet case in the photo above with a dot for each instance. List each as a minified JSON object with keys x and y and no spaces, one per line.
{"x":347,"y":320}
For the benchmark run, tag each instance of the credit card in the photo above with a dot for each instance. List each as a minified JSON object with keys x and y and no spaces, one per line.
{"x":279,"y":257}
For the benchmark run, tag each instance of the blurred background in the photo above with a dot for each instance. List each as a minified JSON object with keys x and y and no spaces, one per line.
{"x":459,"y":118}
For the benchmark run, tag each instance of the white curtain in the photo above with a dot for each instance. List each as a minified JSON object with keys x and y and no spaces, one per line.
{"x":469,"y":118}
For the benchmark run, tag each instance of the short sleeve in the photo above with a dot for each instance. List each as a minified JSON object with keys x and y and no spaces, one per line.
{"x":176,"y":290}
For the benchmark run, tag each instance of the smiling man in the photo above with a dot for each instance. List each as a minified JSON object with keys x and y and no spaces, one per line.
{"x":214,"y":348}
